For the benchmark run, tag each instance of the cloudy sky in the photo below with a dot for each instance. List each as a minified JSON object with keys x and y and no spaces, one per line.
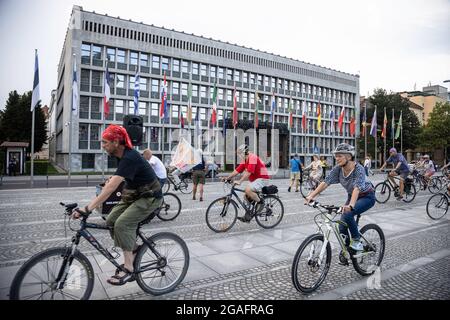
{"x":392,"y":44}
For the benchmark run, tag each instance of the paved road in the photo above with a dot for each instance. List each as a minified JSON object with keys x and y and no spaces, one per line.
{"x":247,"y":262}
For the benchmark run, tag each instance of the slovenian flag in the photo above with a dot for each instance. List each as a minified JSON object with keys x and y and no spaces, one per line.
{"x":341,"y":120}
{"x":304,"y":116}
{"x":163,"y":109}
{"x":106,"y":93}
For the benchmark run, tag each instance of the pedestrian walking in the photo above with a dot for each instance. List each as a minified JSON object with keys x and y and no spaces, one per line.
{"x":296,"y":172}
{"x":198,"y":177}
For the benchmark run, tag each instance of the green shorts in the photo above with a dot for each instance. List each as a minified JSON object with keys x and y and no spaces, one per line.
{"x":198,"y":177}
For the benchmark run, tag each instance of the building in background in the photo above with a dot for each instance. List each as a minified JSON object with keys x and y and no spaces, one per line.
{"x":187,"y":59}
{"x":427,"y":100}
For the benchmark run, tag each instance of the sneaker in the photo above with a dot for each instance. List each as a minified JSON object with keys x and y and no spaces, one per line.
{"x":357,"y":245}
{"x":201,"y":199}
{"x":399,"y":198}
{"x":242,"y":219}
{"x":296,"y":190}
{"x":289,"y":189}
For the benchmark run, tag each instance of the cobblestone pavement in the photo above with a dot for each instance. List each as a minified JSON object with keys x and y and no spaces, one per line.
{"x":247,"y":262}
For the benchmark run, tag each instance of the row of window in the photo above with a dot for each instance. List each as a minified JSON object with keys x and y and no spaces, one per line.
{"x":208,"y":50}
{"x":204,"y":70}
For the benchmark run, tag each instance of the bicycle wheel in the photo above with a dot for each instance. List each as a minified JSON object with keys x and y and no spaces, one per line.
{"x":307,"y":272}
{"x":272,"y":213}
{"x":38,"y":278}
{"x":409,"y":195}
{"x":221,"y":214}
{"x":159,"y":275}
{"x":382,"y":192}
{"x":166,"y":186}
{"x":306,"y":187}
{"x":186,"y":186}
{"x":437,"y":206}
{"x":367,"y":261}
{"x":435,"y":185}
{"x":170,"y":207}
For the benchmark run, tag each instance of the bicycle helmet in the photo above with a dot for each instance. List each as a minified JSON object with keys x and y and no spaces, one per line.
{"x":345,"y":148}
{"x":243,"y":148}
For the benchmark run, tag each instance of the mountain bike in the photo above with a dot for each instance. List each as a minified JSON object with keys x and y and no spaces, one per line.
{"x":312,"y":259}
{"x":60,"y":273}
{"x":185,"y":185}
{"x":437,"y":205}
{"x":222,"y":213}
{"x":383,"y":190}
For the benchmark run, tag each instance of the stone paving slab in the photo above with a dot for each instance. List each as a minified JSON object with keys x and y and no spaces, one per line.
{"x":266,"y":254}
{"x":229,"y":262}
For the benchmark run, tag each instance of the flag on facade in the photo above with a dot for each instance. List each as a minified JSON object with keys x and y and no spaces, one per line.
{"x":197,"y":122}
{"x":235,"y":112}
{"x":291,"y":116}
{"x":163,"y":109}
{"x":35,"y":97}
{"x":256,"y":109}
{"x":272,"y":116}
{"x":224,"y":131}
{"x":341,"y":120}
{"x":304,"y":116}
{"x":106,"y":93}
{"x":385,"y":121}
{"x":189,"y":111}
{"x":352,"y":126}
{"x":137,"y":83}
{"x":319,"y":119}
{"x":364,"y":122}
{"x":75,"y":95}
{"x":373,"y":127}
{"x":332,"y":119}
{"x":393,"y":125}
{"x":214,"y":110}
{"x":181,"y":119}
{"x":399,"y":126}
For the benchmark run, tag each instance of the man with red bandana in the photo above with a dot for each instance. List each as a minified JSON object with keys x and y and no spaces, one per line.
{"x":141,"y":196}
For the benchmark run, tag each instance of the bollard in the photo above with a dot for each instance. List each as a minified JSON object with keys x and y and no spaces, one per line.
{"x":87,"y":180}
{"x":47,"y":181}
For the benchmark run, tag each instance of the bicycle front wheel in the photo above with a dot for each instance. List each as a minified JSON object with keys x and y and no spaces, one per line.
{"x":170,"y":207}
{"x":306,"y":188}
{"x":40,"y":277}
{"x":221,"y":214}
{"x":435,"y":185}
{"x":382,"y":192}
{"x":186,"y":186}
{"x":367,"y":261}
{"x":309,"y":269}
{"x":163,"y":267}
{"x":272,"y":213}
{"x":437,"y":206}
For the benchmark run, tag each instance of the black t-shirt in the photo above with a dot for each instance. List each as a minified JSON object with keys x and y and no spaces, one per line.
{"x":200,"y":166}
{"x":135,"y":169}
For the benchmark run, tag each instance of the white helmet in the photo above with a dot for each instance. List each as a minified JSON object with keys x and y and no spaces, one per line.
{"x":345,"y":148}
{"x":243,"y":148}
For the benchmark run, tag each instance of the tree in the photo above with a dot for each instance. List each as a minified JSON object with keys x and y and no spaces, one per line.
{"x":410,"y":124}
{"x":15,"y":121}
{"x":436,"y":133}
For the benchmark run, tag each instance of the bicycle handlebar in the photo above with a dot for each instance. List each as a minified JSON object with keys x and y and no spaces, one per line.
{"x":316,"y":204}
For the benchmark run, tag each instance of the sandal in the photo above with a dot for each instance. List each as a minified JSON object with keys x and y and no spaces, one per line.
{"x":127,"y":277}
{"x":122,"y":266}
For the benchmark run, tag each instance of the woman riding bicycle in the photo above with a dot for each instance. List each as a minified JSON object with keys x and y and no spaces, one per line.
{"x":361,"y":195}
{"x":141,"y":196}
{"x":316,"y":170}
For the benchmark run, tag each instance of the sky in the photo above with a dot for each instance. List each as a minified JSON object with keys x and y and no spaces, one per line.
{"x":395,"y":45}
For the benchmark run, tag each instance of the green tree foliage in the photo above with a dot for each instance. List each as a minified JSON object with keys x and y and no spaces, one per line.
{"x":436,"y":133}
{"x":15,"y":121}
{"x":410,"y":123}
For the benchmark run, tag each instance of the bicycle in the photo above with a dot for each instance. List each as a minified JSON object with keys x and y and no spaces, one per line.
{"x":317,"y":250}
{"x":437,"y":205}
{"x":170,"y":207}
{"x":66,"y":273}
{"x":221,"y":214}
{"x":383,"y":190}
{"x":433,"y":185}
{"x":185,"y":185}
{"x":308,"y":184}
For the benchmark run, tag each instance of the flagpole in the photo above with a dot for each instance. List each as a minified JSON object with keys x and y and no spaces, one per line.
{"x":385,"y":134}
{"x":32,"y":148}
{"x":393,"y":129}
{"x":365,"y":131}
{"x":401,"y":138}
{"x":376,"y":153}
{"x":34,"y":103}
{"x":70,"y":130}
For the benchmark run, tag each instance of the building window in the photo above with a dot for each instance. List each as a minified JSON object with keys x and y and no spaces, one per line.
{"x":134,"y":58}
{"x":97,"y":52}
{"x":165,"y":63}
{"x":195,"y":90}
{"x":95,"y":137}
{"x":221,"y":73}
{"x":85,"y":53}
{"x":120,"y":56}
{"x":155,"y":86}
{"x":95,"y":108}
{"x":203,"y":91}
{"x":83,"y":136}
{"x":175,"y":88}
{"x":144,"y":60}
{"x":88,"y":161}
{"x":84,"y":107}
{"x":155,"y":62}
{"x":212,"y":71}
{"x":203,"y":71}
{"x":120,"y":81}
{"x":111,"y":54}
{"x":185,"y":66}
{"x":195,"y":68}
{"x":176,"y":65}
{"x":184,"y":89}
{"x":230,"y":75}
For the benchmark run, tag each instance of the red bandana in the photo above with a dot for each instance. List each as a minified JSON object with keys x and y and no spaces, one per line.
{"x":114,"y":132}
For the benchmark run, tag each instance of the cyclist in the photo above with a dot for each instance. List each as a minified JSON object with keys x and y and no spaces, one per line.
{"x":316,"y":170}
{"x":296,"y":172}
{"x":429,"y":168}
{"x":361,"y":195}
{"x":256,"y":172}
{"x":141,"y":196}
{"x":157,"y":165}
{"x":401,"y":169}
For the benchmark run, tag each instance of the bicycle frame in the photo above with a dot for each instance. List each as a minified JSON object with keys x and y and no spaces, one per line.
{"x":241,"y":202}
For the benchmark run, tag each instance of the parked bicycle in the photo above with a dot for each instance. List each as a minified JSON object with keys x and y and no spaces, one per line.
{"x":384,"y":189}
{"x":437,"y":205}
{"x":185,"y":185}
{"x":313,"y":258}
{"x":222,"y":213}
{"x":161,"y":263}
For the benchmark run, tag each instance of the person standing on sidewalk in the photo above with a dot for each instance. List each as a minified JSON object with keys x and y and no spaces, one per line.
{"x":157,"y":166}
{"x":367,"y":165}
{"x":296,"y":172}
{"x":198,"y":177}
{"x":324,"y":166}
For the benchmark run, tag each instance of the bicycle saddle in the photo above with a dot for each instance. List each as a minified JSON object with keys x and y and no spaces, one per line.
{"x":70,"y":206}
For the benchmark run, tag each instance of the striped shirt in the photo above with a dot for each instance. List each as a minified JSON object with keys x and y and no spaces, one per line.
{"x":356,"y":179}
